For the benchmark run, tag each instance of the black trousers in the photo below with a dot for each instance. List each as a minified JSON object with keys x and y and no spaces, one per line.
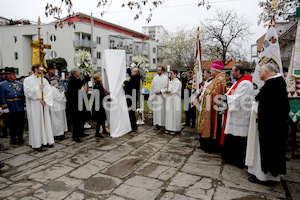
{"x":132,"y":120}
{"x":16,"y":125}
{"x":5,"y":118}
{"x":190,"y":115}
{"x":77,"y":120}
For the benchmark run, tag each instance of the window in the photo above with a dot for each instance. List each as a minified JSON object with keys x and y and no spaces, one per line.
{"x":15,"y":39}
{"x":52,"y":38}
{"x":112,"y":44}
{"x":154,"y":60}
{"x":130,"y":58}
{"x":16,"y":55}
{"x":98,"y":40}
{"x":53,"y":54}
{"x":89,"y":37}
{"x":154,"y":50}
{"x":98,"y":55}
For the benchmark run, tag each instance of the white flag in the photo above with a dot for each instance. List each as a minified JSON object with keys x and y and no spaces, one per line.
{"x":270,"y":53}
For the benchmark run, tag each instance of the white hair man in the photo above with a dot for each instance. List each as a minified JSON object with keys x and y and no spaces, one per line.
{"x":269,"y":161}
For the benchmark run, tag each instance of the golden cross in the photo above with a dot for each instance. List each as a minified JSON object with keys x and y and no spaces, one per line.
{"x":40,"y":44}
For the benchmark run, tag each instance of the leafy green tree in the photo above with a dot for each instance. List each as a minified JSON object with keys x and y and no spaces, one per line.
{"x":60,"y":64}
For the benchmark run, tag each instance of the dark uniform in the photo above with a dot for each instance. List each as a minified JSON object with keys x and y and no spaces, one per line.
{"x":3,"y":117}
{"x":190,"y":114}
{"x":12,"y":101}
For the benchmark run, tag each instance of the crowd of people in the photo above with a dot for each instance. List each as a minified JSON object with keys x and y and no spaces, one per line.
{"x":249,"y":130}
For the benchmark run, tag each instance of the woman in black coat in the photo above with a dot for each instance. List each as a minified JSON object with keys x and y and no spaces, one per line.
{"x":98,"y":115}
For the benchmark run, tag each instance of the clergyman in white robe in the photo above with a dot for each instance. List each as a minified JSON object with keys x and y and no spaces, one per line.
{"x":239,"y":101}
{"x":157,"y":101}
{"x":172,"y":94}
{"x":58,"y":114}
{"x":39,"y":122}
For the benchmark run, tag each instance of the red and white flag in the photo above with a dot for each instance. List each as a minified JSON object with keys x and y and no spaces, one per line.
{"x":270,"y":53}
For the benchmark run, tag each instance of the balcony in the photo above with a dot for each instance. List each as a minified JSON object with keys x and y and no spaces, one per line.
{"x":84,"y":44}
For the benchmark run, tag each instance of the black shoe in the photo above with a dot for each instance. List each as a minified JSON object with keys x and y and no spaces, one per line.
{"x":13,"y":142}
{"x":77,"y":140}
{"x":106,"y":132}
{"x":99,"y":135}
{"x":193,"y":126}
{"x":156,"y":128}
{"x":84,"y":134}
{"x":60,"y":138}
{"x":3,"y":136}
{"x":40,"y":149}
{"x":186,"y":124}
{"x":21,"y":141}
{"x":49,"y":145}
{"x":253,"y":179}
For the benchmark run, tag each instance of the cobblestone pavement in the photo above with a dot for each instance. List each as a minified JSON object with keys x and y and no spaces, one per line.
{"x":145,"y":165}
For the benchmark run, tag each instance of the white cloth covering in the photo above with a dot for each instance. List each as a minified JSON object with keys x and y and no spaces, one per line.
{"x":39,"y":123}
{"x":253,"y":158}
{"x":114,"y":68}
{"x":157,"y":101}
{"x":239,"y":109}
{"x":173,"y":105}
{"x":58,"y":112}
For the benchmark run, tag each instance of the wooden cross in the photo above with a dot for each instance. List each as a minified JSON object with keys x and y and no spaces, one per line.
{"x":38,"y":47}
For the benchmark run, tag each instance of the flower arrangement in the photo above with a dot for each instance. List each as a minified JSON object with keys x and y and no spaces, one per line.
{"x":84,"y":62}
{"x":140,"y":62}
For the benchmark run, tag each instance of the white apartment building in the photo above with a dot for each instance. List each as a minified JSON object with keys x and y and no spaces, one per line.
{"x":15,"y":50}
{"x":158,"y":33}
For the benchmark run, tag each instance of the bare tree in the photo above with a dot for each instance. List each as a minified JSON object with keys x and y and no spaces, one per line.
{"x":283,"y":11}
{"x":180,"y":48}
{"x":224,"y":33}
{"x":137,"y":6}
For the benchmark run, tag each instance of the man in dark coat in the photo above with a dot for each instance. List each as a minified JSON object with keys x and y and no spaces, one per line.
{"x":77,"y":117}
{"x":273,"y":110}
{"x":129,"y":86}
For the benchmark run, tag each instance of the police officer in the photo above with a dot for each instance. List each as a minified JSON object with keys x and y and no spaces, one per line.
{"x":12,"y":101}
{"x":187,"y":84}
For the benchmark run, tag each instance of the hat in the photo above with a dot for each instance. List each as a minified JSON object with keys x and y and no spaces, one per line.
{"x":218,"y":65}
{"x":51,"y":66}
{"x":189,"y":70}
{"x":9,"y":70}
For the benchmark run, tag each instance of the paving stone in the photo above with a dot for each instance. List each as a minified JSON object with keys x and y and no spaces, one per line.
{"x":4,"y":156}
{"x":173,"y":196}
{"x":75,"y":148}
{"x":19,"y":150}
{"x":100,"y":184}
{"x":50,"y":174}
{"x":199,"y":158}
{"x":138,"y":141}
{"x":15,"y":188}
{"x":144,"y":182}
{"x":147,"y":150}
{"x":82,"y":157}
{"x":48,"y":151}
{"x":178,"y":149}
{"x":197,"y":192}
{"x":3,"y":180}
{"x":127,"y":164}
{"x":110,"y":143}
{"x":157,"y":171}
{"x":238,"y":178}
{"x":202,"y":170}
{"x":75,"y":196}
{"x":116,"y":154}
{"x":19,"y":160}
{"x":184,"y":141}
{"x":29,"y":198}
{"x":43,"y":163}
{"x":58,"y":189}
{"x":160,"y":140}
{"x":292,"y":175}
{"x":114,"y":197}
{"x":136,"y":193}
{"x":89,"y":169}
{"x":228,"y":193}
{"x":294,"y":189}
{"x":169,"y":159}
{"x":184,"y":180}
